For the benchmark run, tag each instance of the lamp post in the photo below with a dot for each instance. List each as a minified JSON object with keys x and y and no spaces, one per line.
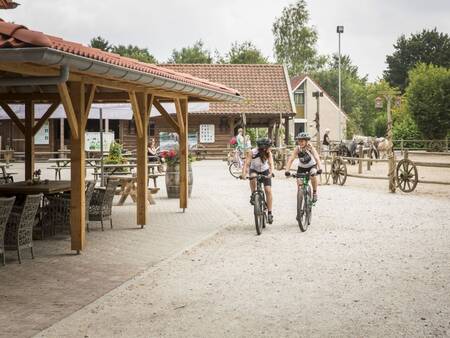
{"x":339,"y":30}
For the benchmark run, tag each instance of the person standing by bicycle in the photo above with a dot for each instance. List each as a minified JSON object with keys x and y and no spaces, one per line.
{"x":260,"y":161}
{"x":308,"y":161}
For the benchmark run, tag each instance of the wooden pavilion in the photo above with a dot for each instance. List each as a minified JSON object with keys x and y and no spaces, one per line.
{"x":38,"y":68}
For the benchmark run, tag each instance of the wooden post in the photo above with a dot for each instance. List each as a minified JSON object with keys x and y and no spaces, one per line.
{"x":361,"y":156}
{"x":77,"y":110}
{"x":369,"y":163}
{"x":182,"y":115}
{"x":61,"y":137}
{"x":390,"y":151}
{"x":141,"y":104}
{"x":286,"y":131}
{"x":29,"y":139}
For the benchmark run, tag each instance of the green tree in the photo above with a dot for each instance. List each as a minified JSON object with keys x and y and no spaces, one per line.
{"x":134,"y":52}
{"x":191,"y":54}
{"x":244,"y":53}
{"x":100,"y":43}
{"x":428,"y":95}
{"x":295,"y":41}
{"x":429,"y":46}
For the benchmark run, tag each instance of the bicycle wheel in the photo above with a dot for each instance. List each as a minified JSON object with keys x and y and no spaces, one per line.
{"x":235,"y":169}
{"x":259,"y":213}
{"x":301,"y":211}
{"x":308,"y":202}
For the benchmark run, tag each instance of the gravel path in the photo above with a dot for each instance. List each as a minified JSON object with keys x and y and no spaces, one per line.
{"x":372,"y":264}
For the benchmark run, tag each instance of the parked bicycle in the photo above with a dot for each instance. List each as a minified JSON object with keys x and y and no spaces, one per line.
{"x":304,"y":200}
{"x":236,"y":164}
{"x":259,"y":203}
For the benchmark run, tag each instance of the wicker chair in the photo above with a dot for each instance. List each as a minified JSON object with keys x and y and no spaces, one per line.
{"x":6,"y":205}
{"x":19,"y":230}
{"x":57,"y":210}
{"x":90,"y":188}
{"x":101,"y":204}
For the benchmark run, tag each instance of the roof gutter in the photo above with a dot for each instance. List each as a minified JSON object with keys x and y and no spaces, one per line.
{"x":52,"y":57}
{"x":37,"y":81}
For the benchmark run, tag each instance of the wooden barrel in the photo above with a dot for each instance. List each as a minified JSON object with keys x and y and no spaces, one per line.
{"x":173,"y":181}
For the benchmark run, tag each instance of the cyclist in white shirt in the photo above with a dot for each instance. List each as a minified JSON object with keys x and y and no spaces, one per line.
{"x":260,"y":161}
{"x":308,"y":161}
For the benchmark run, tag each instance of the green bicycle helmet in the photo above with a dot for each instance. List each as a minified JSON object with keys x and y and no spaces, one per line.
{"x":263,"y":143}
{"x":303,"y":136}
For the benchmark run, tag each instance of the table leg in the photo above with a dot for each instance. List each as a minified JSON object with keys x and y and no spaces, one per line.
{"x":126,"y":191}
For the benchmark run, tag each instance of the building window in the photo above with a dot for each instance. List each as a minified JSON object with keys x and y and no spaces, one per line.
{"x":299,"y":98}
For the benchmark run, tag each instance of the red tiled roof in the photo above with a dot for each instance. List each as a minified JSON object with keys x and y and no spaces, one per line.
{"x":296,"y":80}
{"x":18,"y":36}
{"x":7,"y":4}
{"x":264,"y":87}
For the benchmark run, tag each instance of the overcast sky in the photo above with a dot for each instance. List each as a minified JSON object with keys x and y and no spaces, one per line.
{"x":371,"y":26}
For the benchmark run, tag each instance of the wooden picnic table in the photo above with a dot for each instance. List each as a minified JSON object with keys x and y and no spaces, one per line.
{"x":128,"y":188}
{"x":111,"y":169}
{"x":24,"y":188}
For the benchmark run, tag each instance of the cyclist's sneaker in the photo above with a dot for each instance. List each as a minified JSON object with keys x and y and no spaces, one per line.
{"x":314,"y":199}
{"x":252,"y":199}
{"x":270,"y":218}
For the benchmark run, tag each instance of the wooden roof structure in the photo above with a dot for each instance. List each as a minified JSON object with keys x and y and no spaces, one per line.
{"x":39,"y":68}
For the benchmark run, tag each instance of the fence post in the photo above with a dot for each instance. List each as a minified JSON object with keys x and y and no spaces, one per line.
{"x":361,"y":156}
{"x":401,"y":146}
{"x":446,"y":144}
{"x":369,"y":163}
{"x":405,"y":154}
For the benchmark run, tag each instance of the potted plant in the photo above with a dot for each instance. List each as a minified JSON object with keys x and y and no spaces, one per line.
{"x":172,"y":160}
{"x":115,"y":156}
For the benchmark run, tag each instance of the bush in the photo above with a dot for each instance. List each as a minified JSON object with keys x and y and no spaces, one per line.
{"x":428,"y":97}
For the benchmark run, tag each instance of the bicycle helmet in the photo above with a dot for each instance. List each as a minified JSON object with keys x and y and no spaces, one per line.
{"x":263,"y":143}
{"x":303,"y":136}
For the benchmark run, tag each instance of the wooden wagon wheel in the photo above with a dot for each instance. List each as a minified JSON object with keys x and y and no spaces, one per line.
{"x":407,"y":176}
{"x":436,"y":145}
{"x":339,"y":171}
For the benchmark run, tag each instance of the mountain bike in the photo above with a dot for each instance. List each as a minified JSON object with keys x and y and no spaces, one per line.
{"x":236,"y":164}
{"x":304,"y":201}
{"x":259,"y":203}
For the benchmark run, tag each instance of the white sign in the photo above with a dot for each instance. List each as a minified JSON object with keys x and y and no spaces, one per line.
{"x":207,"y":134}
{"x":92,"y":141}
{"x":43,"y":135}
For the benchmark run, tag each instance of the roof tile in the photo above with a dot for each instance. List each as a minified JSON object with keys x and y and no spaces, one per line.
{"x":264,"y":86}
{"x":17,"y":36}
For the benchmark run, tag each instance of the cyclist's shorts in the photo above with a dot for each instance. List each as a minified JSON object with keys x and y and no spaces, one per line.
{"x":311,"y":170}
{"x":267,"y":181}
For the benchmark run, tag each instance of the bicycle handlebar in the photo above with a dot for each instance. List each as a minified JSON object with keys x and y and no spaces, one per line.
{"x":257,"y":176}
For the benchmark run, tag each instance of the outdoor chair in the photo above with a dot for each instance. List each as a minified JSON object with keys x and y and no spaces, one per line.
{"x":57,"y":210}
{"x":101,"y":204}
{"x":19,"y":230}
{"x":6,"y":205}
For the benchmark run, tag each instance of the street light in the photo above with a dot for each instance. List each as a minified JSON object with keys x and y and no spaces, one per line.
{"x":340,"y":30}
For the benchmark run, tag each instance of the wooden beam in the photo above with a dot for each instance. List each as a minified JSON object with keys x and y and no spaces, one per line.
{"x":77,"y":96}
{"x":180,"y":119}
{"x":69,"y":108}
{"x":182,"y":113}
{"x":20,"y":97}
{"x":143,"y":107}
{"x":13,"y":116}
{"x":89,"y":102}
{"x":135,"y":106}
{"x":29,"y":139}
{"x":166,"y":116}
{"x":45,"y":117}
